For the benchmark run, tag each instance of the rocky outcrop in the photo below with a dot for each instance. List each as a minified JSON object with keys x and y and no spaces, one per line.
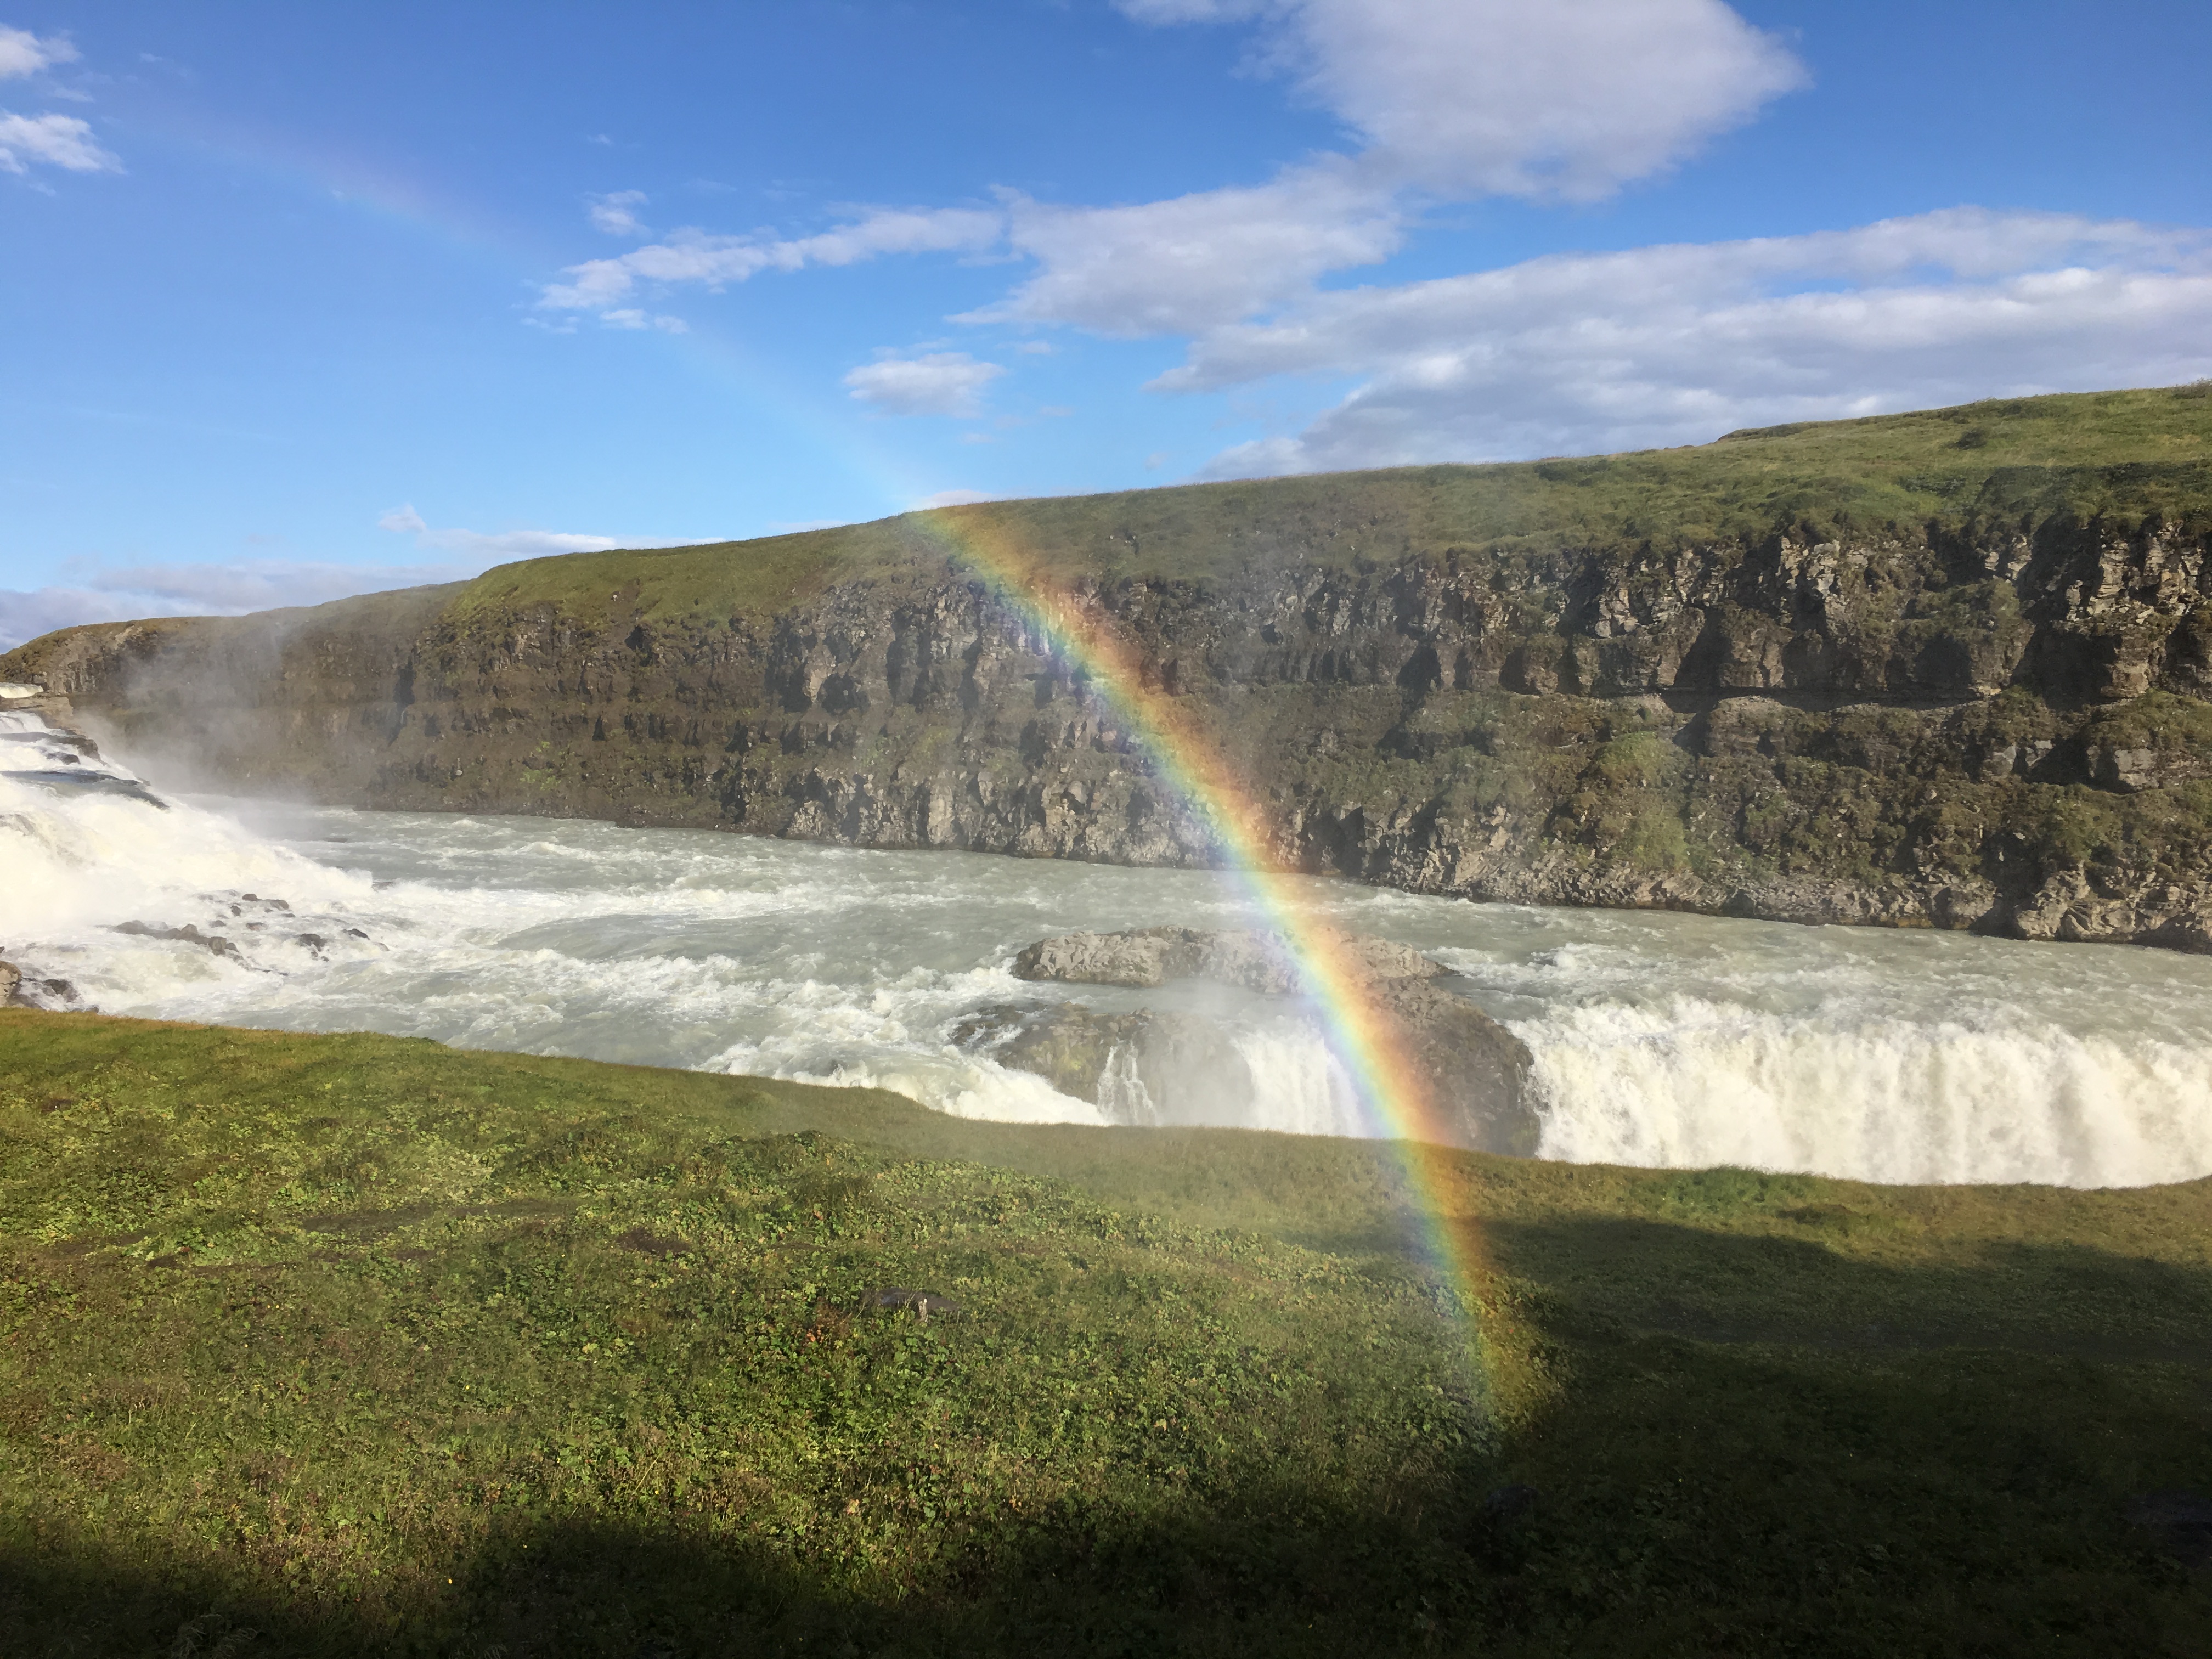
{"x":1471,"y":1070}
{"x":1145,"y":1069}
{"x":1251,"y":961}
{"x":20,"y":990}
{"x":213,"y":944}
{"x":1969,"y":691}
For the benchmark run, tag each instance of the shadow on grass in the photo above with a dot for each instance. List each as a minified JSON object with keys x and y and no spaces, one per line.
{"x":1300,"y":1584}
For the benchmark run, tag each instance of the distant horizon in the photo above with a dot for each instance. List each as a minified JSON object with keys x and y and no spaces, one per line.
{"x":331,"y":302}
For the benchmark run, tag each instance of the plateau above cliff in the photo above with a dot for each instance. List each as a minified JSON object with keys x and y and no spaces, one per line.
{"x":1949,"y":668}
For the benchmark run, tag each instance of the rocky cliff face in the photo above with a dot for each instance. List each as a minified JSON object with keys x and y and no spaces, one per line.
{"x":1997,"y":721}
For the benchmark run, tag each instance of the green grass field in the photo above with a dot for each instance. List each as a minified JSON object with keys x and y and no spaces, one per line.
{"x":2121,"y":455}
{"x":351,"y":1345}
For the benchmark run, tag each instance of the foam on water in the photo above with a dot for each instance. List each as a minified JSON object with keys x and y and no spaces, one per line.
{"x":1657,"y":1039}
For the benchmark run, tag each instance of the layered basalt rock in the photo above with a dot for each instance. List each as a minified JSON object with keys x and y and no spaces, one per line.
{"x":1991,"y":715}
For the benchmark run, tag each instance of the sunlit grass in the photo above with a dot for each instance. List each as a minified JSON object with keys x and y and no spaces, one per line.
{"x":370,"y":1346}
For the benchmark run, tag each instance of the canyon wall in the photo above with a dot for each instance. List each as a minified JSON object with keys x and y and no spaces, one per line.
{"x":1992,"y":715}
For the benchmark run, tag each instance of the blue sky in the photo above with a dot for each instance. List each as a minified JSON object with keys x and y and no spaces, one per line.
{"x":304,"y":300}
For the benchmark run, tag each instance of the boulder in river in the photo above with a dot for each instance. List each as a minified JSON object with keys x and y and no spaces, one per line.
{"x":20,"y":990}
{"x":1146,"y":1068}
{"x":213,"y":944}
{"x":1256,"y":961}
{"x":1474,"y":1070}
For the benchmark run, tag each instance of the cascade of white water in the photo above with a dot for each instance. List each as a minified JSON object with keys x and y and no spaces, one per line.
{"x":1656,"y":1039}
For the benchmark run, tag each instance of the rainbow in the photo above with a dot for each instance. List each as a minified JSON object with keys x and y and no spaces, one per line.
{"x":1393,"y":1092}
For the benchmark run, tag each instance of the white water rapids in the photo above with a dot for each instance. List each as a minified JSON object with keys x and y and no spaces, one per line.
{"x":1658,"y":1039}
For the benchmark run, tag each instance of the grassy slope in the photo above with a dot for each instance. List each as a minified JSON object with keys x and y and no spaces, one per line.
{"x":2123,"y":454}
{"x":2034,"y":456}
{"x":372,"y":1345}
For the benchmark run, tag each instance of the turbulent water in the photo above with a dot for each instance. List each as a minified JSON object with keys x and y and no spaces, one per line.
{"x":1658,"y":1039}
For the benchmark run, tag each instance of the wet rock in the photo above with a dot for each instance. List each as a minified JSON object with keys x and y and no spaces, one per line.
{"x":1142,"y":1069}
{"x":214,"y":944}
{"x":1472,"y":1070}
{"x":20,"y":990}
{"x":314,"y":942}
{"x":1145,"y":956}
{"x":1069,"y":1047}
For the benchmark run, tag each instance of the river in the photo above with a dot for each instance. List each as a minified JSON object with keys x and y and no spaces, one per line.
{"x":1658,"y":1039}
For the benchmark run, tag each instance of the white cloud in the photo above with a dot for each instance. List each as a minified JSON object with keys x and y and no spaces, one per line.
{"x":1445,"y":100}
{"x":483,"y":549}
{"x":1193,"y":261}
{"x":27,"y":615}
{"x":616,"y":213}
{"x":23,"y":53}
{"x":694,"y":256}
{"x":631,"y":317}
{"x":1569,"y":98}
{"x":199,"y":590}
{"x":1441,"y":99}
{"x":933,"y":383}
{"x":260,"y":584}
{"x":61,"y":141}
{"x":90,"y":593}
{"x":1676,"y":345}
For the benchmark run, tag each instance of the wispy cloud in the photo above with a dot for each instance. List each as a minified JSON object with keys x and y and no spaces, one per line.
{"x":932,"y":383}
{"x":23,"y":53}
{"x":1676,"y":345}
{"x":694,"y":256}
{"x":482,"y":548}
{"x":1448,"y":99}
{"x":631,"y":317}
{"x":616,"y":213}
{"x":131,"y":591}
{"x":61,"y":141}
{"x":1454,"y":101}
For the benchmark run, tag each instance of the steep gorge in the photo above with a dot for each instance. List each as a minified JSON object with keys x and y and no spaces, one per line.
{"x":1946,"y":669}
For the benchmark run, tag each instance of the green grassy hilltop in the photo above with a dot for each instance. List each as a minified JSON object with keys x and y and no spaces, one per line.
{"x":2083,"y":455}
{"x":351,"y":1345}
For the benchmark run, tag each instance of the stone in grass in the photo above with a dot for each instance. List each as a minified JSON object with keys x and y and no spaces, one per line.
{"x":1508,"y":1508}
{"x":2179,"y":1522}
{"x":924,"y":1303}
